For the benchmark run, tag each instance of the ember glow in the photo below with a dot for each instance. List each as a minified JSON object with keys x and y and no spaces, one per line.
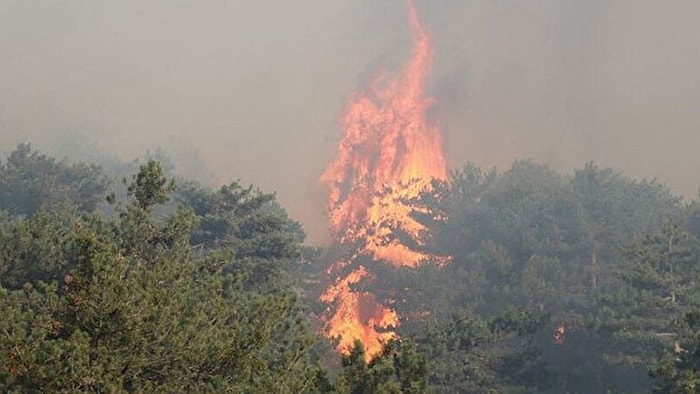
{"x":559,"y":334}
{"x":389,"y":154}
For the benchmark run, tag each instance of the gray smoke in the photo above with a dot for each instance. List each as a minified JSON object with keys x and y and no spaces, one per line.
{"x":251,"y":89}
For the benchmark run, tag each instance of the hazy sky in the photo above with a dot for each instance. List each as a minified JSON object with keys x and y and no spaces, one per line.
{"x":251,"y":90}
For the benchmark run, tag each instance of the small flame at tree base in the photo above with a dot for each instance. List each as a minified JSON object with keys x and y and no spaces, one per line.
{"x":560,"y":334}
{"x":389,"y":155}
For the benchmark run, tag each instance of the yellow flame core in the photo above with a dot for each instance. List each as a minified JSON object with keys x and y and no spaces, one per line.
{"x":358,"y":316}
{"x":389,"y":154}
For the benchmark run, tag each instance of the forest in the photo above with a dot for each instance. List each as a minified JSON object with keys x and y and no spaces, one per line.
{"x":124,"y":277}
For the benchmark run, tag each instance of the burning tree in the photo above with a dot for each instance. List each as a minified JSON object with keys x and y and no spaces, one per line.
{"x":389,"y":154}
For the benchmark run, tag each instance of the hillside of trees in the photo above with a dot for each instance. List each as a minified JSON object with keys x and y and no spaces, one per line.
{"x":129,"y":279}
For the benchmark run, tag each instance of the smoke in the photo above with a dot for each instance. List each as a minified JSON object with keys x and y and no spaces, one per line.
{"x":568,"y":82}
{"x":251,"y":90}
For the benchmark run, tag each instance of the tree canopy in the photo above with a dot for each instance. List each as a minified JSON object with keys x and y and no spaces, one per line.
{"x":584,"y":282}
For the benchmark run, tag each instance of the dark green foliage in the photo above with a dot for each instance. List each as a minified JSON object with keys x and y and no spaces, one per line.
{"x":398,"y":369}
{"x":220,"y":212}
{"x":199,"y":292}
{"x":543,"y":292}
{"x":150,"y":186}
{"x":467,"y":354}
{"x":39,"y":248}
{"x":677,"y":370}
{"x":129,"y":309}
{"x":653,"y":313}
{"x":29,"y":180}
{"x":258,"y":234}
{"x":531,"y":240}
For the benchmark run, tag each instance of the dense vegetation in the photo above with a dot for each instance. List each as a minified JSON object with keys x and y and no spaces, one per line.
{"x":580,"y":283}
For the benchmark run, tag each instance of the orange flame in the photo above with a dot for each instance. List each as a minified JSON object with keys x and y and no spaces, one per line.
{"x":559,"y":334}
{"x":389,"y":154}
{"x":358,"y":316}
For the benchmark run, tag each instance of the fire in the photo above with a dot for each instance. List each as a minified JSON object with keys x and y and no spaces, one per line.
{"x":389,"y":154}
{"x":358,"y":316}
{"x":559,"y":334}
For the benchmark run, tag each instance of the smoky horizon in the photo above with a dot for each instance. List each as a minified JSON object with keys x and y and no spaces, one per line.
{"x":254,"y":90}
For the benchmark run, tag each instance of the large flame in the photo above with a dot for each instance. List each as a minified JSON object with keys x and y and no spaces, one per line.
{"x":358,"y":316}
{"x":389,"y":154}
